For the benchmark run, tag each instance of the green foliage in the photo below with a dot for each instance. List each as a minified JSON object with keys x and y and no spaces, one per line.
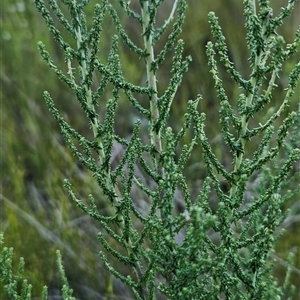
{"x":217,"y":244}
{"x":15,"y":286}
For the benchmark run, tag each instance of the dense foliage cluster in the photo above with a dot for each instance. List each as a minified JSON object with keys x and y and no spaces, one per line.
{"x":218,"y":243}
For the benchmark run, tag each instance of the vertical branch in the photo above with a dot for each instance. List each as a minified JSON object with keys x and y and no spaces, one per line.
{"x":260,"y":50}
{"x":95,"y":123}
{"x":151,"y":80}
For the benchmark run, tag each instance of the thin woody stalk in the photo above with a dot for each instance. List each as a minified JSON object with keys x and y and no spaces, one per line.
{"x":95,"y":123}
{"x":260,"y":61}
{"x":151,"y":80}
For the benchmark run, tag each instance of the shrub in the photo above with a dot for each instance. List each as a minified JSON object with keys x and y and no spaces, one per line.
{"x":217,"y":244}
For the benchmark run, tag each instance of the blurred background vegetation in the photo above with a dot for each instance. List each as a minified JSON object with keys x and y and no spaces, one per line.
{"x":37,"y":216}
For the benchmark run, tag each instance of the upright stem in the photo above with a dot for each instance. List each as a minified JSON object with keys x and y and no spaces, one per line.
{"x":151,"y":80}
{"x":94,"y":121}
{"x":254,"y":6}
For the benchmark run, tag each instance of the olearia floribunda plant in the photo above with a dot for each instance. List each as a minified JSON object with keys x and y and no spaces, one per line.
{"x":224,"y":252}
